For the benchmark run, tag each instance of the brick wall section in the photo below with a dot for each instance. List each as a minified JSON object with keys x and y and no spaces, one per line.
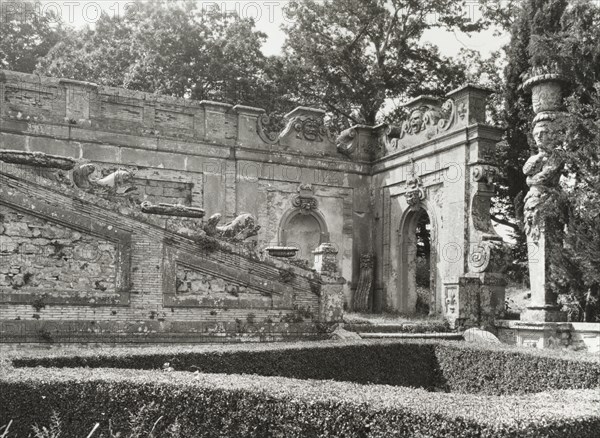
{"x":40,"y":255}
{"x":144,"y":316}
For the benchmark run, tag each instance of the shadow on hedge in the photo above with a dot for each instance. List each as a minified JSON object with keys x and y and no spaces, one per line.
{"x":434,"y":366}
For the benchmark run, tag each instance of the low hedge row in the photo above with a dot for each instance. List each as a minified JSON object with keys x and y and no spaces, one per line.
{"x":500,"y":369}
{"x":412,"y":365}
{"x":209,"y":405}
{"x":446,"y":365}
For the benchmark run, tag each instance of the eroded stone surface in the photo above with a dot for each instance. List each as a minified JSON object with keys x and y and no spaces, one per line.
{"x":39,"y":255}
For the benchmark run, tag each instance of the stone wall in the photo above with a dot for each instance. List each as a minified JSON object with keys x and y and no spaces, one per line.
{"x":203,"y":154}
{"x":359,"y":190}
{"x":96,"y":268}
{"x":577,"y":336}
{"x":38,"y":255}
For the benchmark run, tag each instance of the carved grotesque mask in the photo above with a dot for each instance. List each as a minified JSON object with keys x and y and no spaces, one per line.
{"x":416,"y":121}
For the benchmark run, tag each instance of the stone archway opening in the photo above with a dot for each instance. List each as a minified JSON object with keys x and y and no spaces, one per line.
{"x":305,"y":231}
{"x":423,"y":264}
{"x":417,"y":264}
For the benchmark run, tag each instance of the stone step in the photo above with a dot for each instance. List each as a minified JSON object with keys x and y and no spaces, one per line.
{"x":405,"y":327}
{"x":398,"y":335}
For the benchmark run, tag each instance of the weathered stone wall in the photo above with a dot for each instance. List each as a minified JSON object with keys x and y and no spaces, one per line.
{"x":578,"y":336}
{"x":221,"y":153}
{"x":38,"y":255}
{"x":138,"y":259}
{"x":360,"y":190}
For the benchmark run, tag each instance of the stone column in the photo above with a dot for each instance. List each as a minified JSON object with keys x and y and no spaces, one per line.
{"x":543,"y":174}
{"x":331,"y":301}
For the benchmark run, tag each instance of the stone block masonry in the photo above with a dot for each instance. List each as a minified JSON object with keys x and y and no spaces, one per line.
{"x":361,"y":192}
{"x":77,"y":267}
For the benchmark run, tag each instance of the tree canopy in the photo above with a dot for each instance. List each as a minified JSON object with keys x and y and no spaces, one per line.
{"x":564,"y":37}
{"x":26,"y":34}
{"x":173,"y":48}
{"x":353,"y":55}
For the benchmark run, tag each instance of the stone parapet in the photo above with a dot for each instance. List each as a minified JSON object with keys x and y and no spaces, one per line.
{"x":584,"y":336}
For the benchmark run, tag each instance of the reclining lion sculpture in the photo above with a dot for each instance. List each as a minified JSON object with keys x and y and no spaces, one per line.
{"x":241,"y":228}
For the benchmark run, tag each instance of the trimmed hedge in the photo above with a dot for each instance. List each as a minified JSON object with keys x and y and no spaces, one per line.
{"x":206,"y":405}
{"x":445,"y":365}
{"x":412,"y":365}
{"x":500,"y":369}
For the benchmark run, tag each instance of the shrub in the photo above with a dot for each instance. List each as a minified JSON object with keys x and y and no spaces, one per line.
{"x":450,"y":366}
{"x":504,"y":370}
{"x":208,"y":405}
{"x":405,"y":364}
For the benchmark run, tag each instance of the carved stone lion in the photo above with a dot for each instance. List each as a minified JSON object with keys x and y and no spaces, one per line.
{"x":239,"y":229}
{"x":116,"y":182}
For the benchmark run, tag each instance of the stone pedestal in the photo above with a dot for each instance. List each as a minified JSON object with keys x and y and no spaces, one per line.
{"x":474,"y":300}
{"x":543,"y":306}
{"x":331,"y":302}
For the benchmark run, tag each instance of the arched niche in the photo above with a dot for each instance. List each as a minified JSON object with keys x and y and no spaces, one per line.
{"x":303,"y":229}
{"x":407,"y":262}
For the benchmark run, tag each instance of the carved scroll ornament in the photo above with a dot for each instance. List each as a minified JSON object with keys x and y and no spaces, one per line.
{"x":415,"y":193}
{"x":303,"y":127}
{"x":425,"y":119}
{"x":346,"y":142}
{"x":305,"y":201}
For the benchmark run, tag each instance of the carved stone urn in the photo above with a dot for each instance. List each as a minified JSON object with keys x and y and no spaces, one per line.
{"x":282,"y":251}
{"x":546,"y":91}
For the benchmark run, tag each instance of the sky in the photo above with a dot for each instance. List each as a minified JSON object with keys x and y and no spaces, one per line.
{"x":269,"y":15}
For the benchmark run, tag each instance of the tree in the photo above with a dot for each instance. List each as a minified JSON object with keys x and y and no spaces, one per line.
{"x":527,"y":22}
{"x":351,"y":56}
{"x":26,"y":34}
{"x":575,"y":267}
{"x":562,"y":36}
{"x":173,"y":48}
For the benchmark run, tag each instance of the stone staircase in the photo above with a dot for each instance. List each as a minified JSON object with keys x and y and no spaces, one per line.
{"x":382,"y":329}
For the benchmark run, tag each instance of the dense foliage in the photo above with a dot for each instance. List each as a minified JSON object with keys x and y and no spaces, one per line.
{"x":173,"y":48}
{"x":26,"y":34}
{"x":561,"y":36}
{"x":354,"y":55}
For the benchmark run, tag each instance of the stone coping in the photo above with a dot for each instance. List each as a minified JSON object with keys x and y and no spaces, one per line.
{"x":593,"y":327}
